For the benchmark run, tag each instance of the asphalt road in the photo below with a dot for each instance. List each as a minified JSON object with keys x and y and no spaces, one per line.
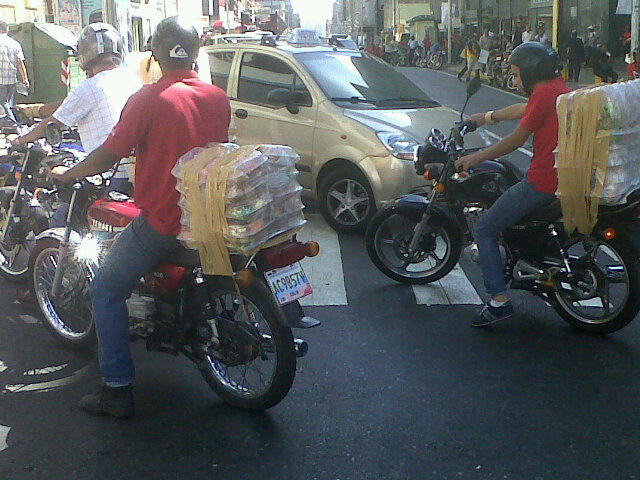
{"x":394,"y":387}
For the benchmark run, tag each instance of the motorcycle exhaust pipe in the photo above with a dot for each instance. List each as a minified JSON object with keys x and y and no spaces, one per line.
{"x":301,"y":347}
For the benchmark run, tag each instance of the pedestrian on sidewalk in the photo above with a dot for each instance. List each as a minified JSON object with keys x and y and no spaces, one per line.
{"x":632,"y":69}
{"x":575,"y":55}
{"x":592,"y":43}
{"x":471,"y":53}
{"x":527,"y":35}
{"x":542,"y":36}
{"x":602,"y":66}
{"x":11,"y":62}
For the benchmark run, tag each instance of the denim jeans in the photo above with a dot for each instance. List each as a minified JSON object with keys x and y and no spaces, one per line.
{"x":513,"y":205}
{"x":134,"y":253}
{"x":7,"y":93}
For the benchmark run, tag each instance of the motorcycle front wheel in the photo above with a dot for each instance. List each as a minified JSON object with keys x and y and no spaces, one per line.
{"x":602,"y":295}
{"x":436,"y":62}
{"x":388,"y":237}
{"x":254,"y":365}
{"x":69,"y":318}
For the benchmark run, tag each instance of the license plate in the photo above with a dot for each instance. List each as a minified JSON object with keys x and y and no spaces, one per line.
{"x":288,"y":283}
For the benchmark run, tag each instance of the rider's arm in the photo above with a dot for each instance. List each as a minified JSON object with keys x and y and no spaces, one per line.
{"x":508,"y":144}
{"x":48,"y":109}
{"x":512,"y":112}
{"x":98,"y":161}
{"x":23,"y":72}
{"x":38,"y":132}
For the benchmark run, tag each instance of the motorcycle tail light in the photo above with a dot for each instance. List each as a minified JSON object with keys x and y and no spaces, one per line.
{"x":244,"y":278}
{"x":439,"y":188}
{"x":610,"y":233}
{"x":285,"y":254}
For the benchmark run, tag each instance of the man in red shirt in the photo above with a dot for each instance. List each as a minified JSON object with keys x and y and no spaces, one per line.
{"x":161,"y":122}
{"x":632,"y":69}
{"x":535,"y":69}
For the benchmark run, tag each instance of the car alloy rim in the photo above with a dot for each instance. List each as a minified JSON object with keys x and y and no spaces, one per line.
{"x":348,"y":202}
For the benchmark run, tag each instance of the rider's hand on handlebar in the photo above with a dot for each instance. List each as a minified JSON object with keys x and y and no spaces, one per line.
{"x":467,"y":162}
{"x":477,"y":119}
{"x":60,"y":175}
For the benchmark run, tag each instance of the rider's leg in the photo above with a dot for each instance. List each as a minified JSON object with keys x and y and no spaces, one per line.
{"x":514,"y":204}
{"x":135,"y":252}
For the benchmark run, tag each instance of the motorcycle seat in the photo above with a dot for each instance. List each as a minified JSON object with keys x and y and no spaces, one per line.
{"x":550,"y":212}
{"x":513,"y":173}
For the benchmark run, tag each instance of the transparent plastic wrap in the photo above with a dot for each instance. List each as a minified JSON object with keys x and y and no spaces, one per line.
{"x":598,"y":155}
{"x":237,"y":198}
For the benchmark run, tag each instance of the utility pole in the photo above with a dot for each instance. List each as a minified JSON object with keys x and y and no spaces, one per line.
{"x":556,"y":23}
{"x":635,"y":27}
{"x":449,"y":28}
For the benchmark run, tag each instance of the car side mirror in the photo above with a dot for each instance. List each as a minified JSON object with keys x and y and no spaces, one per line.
{"x":473,"y":86}
{"x":53,"y":134}
{"x":283,"y":98}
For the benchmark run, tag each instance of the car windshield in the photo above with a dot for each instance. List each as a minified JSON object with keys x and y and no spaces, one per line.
{"x":361,"y":79}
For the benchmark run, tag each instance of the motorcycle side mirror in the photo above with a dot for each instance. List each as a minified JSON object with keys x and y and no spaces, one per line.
{"x":53,"y":134}
{"x":473,"y":86}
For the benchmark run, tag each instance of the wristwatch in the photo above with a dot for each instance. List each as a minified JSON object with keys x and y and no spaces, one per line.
{"x":488,"y":118}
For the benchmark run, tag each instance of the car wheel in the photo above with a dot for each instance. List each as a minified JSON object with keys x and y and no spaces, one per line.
{"x":346,"y":200}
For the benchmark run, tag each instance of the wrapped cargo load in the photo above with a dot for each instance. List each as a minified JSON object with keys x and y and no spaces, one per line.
{"x":598,"y":154}
{"x":237,"y":198}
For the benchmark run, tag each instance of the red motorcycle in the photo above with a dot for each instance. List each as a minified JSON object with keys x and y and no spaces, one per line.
{"x":236,"y":330}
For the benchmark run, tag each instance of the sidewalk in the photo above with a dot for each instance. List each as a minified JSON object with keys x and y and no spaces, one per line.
{"x":586,"y":73}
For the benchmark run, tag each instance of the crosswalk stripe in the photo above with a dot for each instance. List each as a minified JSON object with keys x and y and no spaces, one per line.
{"x":324,"y":271}
{"x":4,"y":433}
{"x":453,"y":289}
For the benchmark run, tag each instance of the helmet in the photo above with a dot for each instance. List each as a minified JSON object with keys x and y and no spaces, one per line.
{"x":536,"y":61}
{"x":95,"y":40}
{"x":175,"y":43}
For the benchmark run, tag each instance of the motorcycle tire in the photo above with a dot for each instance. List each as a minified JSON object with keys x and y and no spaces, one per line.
{"x":50,"y":316}
{"x":262,"y":298}
{"x":454,"y":246}
{"x":629,"y":256}
{"x":437,"y":63}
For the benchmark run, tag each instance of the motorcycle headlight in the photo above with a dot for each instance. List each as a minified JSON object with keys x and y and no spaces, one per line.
{"x":398,"y":144}
{"x":88,"y":250}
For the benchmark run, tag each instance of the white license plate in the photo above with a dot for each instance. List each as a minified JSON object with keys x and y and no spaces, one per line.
{"x":288,"y":283}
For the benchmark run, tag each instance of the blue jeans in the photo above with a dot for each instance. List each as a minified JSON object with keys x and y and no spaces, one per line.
{"x":134,"y":253}
{"x":7,"y":93}
{"x":513,"y":205}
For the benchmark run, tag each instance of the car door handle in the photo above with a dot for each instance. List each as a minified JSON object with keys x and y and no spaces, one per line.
{"x":242,"y":113}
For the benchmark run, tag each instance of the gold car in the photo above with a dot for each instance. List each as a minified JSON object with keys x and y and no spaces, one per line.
{"x":353,"y":119}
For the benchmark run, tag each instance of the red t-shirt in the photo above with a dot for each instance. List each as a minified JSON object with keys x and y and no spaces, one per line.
{"x":632,"y":71}
{"x":541,"y":118}
{"x":162,"y":122}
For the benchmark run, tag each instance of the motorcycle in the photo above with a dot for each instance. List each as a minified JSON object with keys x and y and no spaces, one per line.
{"x":590,"y":280}
{"x":237,"y":331}
{"x":435,"y":60}
{"x":26,"y":204}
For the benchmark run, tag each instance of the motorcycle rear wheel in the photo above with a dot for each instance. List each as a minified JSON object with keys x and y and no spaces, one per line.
{"x":436,"y":62}
{"x":277,"y":341}
{"x":623,"y":270}
{"x":382,"y":242}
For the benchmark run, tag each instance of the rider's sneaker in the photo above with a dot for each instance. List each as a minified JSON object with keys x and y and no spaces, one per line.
{"x":490,"y":314}
{"x":114,"y":401}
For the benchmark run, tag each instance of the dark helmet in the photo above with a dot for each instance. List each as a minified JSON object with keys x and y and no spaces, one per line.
{"x":96,"y":40}
{"x":175,"y":43}
{"x":536,"y":61}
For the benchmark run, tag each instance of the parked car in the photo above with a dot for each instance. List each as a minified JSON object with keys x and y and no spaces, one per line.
{"x":353,"y":119}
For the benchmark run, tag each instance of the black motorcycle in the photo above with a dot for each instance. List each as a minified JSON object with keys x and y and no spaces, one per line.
{"x":592,"y":281}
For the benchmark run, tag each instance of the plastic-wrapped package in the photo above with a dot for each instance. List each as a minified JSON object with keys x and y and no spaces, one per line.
{"x":238,"y":198}
{"x":598,"y":154}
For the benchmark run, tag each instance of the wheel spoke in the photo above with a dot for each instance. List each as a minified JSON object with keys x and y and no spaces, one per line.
{"x":338,"y":196}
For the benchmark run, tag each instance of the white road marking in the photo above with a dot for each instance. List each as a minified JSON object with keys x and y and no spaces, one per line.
{"x":44,"y":371}
{"x":519,"y":97}
{"x":46,"y":386}
{"x":3,"y":366}
{"x":29,"y":319}
{"x":4,"y":433}
{"x":454,"y":289}
{"x":324,"y":271}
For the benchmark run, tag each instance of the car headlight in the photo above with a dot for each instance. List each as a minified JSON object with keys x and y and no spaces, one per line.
{"x":398,"y":144}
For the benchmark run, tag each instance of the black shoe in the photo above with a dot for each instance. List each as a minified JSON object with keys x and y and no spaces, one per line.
{"x":114,"y":401}
{"x":490,"y":315}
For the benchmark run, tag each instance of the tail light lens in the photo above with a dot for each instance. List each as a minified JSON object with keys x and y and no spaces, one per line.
{"x":289,"y":253}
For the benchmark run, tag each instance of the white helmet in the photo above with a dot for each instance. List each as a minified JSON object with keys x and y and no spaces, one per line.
{"x":97,"y":39}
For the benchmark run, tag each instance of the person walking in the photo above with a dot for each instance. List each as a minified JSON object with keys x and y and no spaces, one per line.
{"x":575,"y":55}
{"x":471,"y":53}
{"x":11,"y":62}
{"x":592,"y":43}
{"x":527,"y":35}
